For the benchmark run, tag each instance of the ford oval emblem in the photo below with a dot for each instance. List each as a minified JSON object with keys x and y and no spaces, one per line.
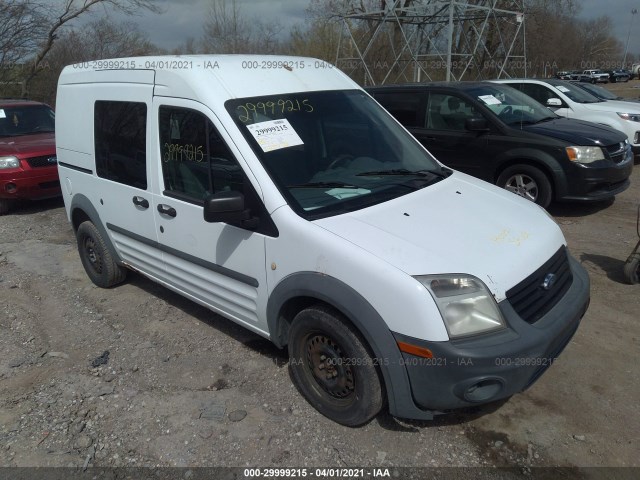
{"x":549,"y":281}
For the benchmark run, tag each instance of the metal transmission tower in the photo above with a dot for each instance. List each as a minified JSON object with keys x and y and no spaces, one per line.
{"x":418,"y":40}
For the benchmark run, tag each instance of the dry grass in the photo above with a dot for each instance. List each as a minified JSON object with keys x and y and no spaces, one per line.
{"x":630,"y":89}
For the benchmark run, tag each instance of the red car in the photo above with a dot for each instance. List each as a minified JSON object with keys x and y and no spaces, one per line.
{"x":28,"y":165}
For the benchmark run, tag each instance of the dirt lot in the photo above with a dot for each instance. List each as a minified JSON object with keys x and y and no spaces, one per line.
{"x":183,"y":387}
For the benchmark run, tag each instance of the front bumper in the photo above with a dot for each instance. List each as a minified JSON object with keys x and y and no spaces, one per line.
{"x":30,"y":184}
{"x":491,"y":367}
{"x":597,"y":182}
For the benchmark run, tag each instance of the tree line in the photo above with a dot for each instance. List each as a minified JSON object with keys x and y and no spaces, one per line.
{"x":39,"y":37}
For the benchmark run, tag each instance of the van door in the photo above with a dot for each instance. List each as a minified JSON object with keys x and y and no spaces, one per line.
{"x":124,"y":202}
{"x":218,"y":265}
{"x":446,"y":136}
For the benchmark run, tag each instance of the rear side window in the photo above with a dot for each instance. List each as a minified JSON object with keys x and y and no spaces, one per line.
{"x":404,"y":107}
{"x":120,"y":142}
{"x":449,"y":112}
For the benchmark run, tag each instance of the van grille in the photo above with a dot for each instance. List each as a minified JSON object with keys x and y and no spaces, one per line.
{"x":44,"y":161}
{"x":537,"y":294}
{"x":616,"y":152}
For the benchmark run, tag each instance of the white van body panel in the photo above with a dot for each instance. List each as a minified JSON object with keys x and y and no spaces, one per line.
{"x":304,"y":246}
{"x":408,"y":236}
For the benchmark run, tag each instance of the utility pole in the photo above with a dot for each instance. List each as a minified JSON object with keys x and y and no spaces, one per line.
{"x":626,"y":48}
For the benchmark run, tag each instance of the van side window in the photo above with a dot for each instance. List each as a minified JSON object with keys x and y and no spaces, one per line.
{"x":120,"y":130}
{"x":404,"y":106}
{"x":449,"y":112}
{"x":195,"y":159}
{"x":537,"y":92}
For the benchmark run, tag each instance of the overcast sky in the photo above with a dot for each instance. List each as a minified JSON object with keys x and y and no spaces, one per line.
{"x":184,"y":18}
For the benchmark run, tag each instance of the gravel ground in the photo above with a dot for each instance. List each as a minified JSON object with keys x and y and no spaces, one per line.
{"x":138,"y":376}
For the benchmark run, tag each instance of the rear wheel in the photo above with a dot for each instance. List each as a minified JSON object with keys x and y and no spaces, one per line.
{"x":528,"y":182}
{"x":332,"y":368}
{"x":96,"y":257}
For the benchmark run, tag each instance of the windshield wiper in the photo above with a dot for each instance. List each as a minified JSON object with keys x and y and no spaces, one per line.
{"x":400,"y":172}
{"x":323,"y":185}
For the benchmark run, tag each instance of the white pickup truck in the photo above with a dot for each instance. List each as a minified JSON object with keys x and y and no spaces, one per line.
{"x":594,"y":76}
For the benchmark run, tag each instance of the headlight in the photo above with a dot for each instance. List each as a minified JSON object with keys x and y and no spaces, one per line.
{"x":584,"y":154}
{"x":632,"y":117}
{"x":466,"y":305}
{"x":9,"y":162}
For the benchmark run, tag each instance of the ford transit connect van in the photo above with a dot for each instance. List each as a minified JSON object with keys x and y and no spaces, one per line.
{"x":277,"y":193}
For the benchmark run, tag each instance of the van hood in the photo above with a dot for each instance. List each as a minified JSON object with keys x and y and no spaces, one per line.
{"x":28,"y":145}
{"x":459,"y":225}
{"x":577,"y":132}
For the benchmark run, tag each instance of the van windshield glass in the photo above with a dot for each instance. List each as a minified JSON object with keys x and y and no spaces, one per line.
{"x":333,"y":152}
{"x":16,"y":121}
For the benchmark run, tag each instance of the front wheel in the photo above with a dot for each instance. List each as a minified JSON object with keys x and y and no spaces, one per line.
{"x":96,"y":257}
{"x":528,"y":182}
{"x":332,"y":368}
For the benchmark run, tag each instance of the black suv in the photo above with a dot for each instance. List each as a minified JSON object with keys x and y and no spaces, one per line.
{"x":496,"y":133}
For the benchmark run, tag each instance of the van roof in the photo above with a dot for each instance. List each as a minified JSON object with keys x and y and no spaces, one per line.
{"x":202,"y":76}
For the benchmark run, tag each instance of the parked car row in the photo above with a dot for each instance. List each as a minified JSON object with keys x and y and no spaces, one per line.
{"x":506,"y":135}
{"x":595,"y":75}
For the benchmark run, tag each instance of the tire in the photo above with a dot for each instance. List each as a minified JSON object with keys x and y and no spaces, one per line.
{"x":4,"y":206}
{"x":528,"y":182}
{"x":96,"y":257}
{"x":322,"y":343}
{"x":632,"y":269}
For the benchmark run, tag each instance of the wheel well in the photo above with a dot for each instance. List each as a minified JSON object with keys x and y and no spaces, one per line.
{"x":289,"y":310}
{"x":532,"y":163}
{"x":77,"y":217}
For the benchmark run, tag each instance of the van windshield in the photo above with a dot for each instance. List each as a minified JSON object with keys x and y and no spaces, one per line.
{"x":16,"y":121}
{"x":333,"y":152}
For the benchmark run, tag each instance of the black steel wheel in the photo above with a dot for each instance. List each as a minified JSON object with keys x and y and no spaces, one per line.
{"x":332,"y":368}
{"x":528,"y":182}
{"x":96,"y":257}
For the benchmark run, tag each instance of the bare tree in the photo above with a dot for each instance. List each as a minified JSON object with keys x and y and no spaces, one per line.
{"x":30,"y":28}
{"x":97,"y":40}
{"x":229,"y":30}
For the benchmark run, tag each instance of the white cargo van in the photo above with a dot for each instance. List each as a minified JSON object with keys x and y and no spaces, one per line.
{"x":277,"y":193}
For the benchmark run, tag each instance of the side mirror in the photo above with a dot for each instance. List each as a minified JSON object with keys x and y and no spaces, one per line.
{"x":225,"y":207}
{"x":476,"y":125}
{"x":554,"y":102}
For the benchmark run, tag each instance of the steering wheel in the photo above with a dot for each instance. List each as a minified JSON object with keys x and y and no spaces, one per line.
{"x":508,"y":110}
{"x":340,"y":160}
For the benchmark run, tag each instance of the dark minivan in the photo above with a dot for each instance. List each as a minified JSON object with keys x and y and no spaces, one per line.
{"x":496,"y":133}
